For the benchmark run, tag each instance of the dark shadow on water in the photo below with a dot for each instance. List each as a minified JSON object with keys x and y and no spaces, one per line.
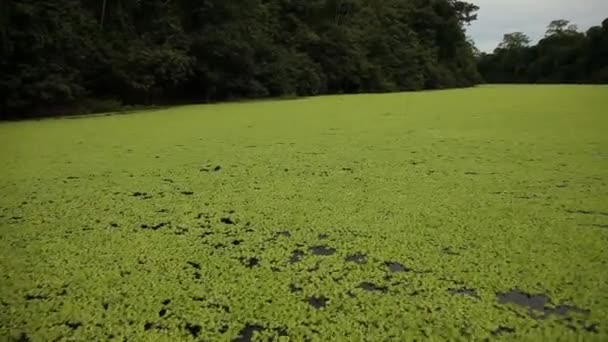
{"x":322,"y":250}
{"x":371,"y":287}
{"x":587,"y":212}
{"x":227,"y":220}
{"x":246,"y":334}
{"x":395,"y":267}
{"x":193,"y":329}
{"x":152,"y":325}
{"x":502,"y":330}
{"x":358,"y":258}
{"x":296,"y":256}
{"x":317,"y":302}
{"x":293,"y":288}
{"x":539,"y":303}
{"x":250,"y":262}
{"x":73,"y":325}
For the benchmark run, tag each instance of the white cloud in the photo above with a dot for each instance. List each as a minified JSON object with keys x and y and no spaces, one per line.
{"x":497,"y":17}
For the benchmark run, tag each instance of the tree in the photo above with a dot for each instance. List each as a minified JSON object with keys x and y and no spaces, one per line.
{"x":560,"y":26}
{"x":514,"y":40}
{"x":564,"y":55}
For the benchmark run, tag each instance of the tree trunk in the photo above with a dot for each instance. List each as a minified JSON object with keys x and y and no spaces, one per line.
{"x":103,"y":13}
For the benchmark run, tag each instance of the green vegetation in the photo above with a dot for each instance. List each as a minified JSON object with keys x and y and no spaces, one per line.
{"x":564,"y":55}
{"x":454,"y":215}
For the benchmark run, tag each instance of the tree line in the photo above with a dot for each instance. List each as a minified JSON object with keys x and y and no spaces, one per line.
{"x":94,"y":55}
{"x":564,"y":55}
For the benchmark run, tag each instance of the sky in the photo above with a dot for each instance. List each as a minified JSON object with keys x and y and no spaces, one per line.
{"x":497,"y":17}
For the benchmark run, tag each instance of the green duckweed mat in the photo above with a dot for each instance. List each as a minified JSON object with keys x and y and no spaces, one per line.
{"x":453,"y":215}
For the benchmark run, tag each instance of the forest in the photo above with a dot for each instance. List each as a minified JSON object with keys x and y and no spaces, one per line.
{"x":563,"y":55}
{"x":90,"y":55}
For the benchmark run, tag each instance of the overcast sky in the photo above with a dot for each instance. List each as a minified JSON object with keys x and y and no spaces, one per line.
{"x":497,"y":17}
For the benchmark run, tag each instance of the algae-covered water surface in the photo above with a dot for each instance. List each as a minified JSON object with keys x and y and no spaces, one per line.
{"x":454,"y":215}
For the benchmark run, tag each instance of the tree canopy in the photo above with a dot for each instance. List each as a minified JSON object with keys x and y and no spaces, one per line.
{"x":61,"y":56}
{"x":564,"y":55}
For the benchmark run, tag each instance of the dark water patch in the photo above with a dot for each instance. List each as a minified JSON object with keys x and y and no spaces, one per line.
{"x":358,"y":258}
{"x":592,"y":328}
{"x":237,"y":242}
{"x":36,"y":297}
{"x":317,"y":302}
{"x":193,"y":329}
{"x":284,"y":233}
{"x":281,"y":331}
{"x":587,"y":212}
{"x":449,"y":251}
{"x":471,"y":173}
{"x":227,"y":220}
{"x":465,"y":292}
{"x":539,"y":303}
{"x":151,"y":325}
{"x":246,"y":334}
{"x":73,"y":324}
{"x":565,"y":310}
{"x":250,"y":262}
{"x":371,"y":287}
{"x":536,"y":302}
{"x":217,"y":168}
{"x":293,"y":288}
{"x":595,"y":225}
{"x":501,"y":330}
{"x":296,"y":256}
{"x":187,"y":193}
{"x":166,"y":301}
{"x":23,"y":337}
{"x":154,"y":227}
{"x":114,"y":224}
{"x":181,"y":230}
{"x":395,"y":267}
{"x":105,"y":305}
{"x":162,"y":312}
{"x":322,"y":250}
{"x":196,"y":265}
